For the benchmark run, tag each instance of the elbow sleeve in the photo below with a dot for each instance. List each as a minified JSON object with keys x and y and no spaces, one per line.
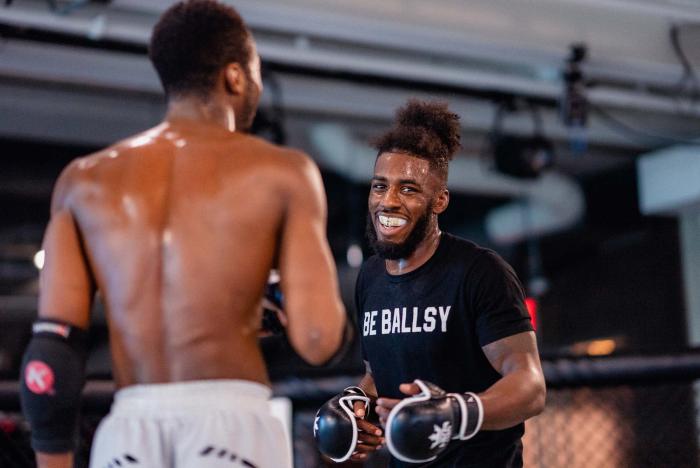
{"x":51,"y":383}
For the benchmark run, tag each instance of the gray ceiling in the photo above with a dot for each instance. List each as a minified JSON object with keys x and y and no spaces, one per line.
{"x":463,"y":47}
{"x":80,"y":76}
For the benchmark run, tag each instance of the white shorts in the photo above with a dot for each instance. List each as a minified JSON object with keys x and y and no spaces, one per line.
{"x":212,"y":423}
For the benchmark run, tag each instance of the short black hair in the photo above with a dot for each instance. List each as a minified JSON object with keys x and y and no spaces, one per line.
{"x":425,"y":129}
{"x":193,"y":41}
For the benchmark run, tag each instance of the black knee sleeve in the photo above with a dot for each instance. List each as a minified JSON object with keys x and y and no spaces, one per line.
{"x":53,"y":375}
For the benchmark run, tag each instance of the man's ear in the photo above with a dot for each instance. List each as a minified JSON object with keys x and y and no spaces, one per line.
{"x":234,"y":78}
{"x":441,"y":201}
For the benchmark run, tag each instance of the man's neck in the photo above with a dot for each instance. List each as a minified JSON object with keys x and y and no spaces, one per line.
{"x":422,"y":254}
{"x":210,"y":113}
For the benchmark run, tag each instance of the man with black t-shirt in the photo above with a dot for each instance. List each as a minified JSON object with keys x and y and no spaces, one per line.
{"x":435,"y":307}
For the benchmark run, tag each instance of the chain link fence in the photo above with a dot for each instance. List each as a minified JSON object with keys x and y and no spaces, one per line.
{"x":624,"y":426}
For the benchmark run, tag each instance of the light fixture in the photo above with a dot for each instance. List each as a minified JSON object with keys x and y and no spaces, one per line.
{"x":354,"y":256}
{"x":39,"y":260}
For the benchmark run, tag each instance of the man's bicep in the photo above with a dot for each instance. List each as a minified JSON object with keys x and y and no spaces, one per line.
{"x":306,"y":263}
{"x":303,"y":241}
{"x":515,"y":352}
{"x":66,"y":283}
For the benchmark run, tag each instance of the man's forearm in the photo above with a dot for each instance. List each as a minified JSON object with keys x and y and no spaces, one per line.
{"x":54,"y":460}
{"x":513,"y":399}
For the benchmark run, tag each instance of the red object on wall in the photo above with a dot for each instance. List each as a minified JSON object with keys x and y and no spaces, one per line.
{"x":531,"y":304}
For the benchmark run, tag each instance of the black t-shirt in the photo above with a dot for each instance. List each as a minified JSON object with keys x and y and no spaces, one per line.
{"x":431,"y":323}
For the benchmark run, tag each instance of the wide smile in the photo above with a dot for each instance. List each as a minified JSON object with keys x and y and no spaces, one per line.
{"x":390,"y":225}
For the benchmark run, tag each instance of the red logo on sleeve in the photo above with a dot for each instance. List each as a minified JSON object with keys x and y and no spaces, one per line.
{"x":39,"y":378}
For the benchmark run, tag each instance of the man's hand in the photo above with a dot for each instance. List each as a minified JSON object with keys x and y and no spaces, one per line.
{"x":370,"y":436}
{"x":384,"y":405}
{"x":54,"y":460}
{"x":421,"y":426}
{"x":341,"y":429}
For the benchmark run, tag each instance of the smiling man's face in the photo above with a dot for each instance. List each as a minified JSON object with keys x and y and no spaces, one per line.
{"x":402,"y":202}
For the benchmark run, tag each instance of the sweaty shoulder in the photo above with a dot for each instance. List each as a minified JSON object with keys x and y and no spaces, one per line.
{"x":86,"y":167}
{"x":73,"y":176}
{"x":291,"y":164}
{"x":273,"y":152}
{"x":299,"y":165}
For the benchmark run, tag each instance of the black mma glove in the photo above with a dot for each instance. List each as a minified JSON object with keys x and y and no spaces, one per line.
{"x":335,"y":426}
{"x":273,"y":307}
{"x":420,"y":427}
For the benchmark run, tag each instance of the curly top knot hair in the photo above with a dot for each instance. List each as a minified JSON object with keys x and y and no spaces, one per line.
{"x":425,"y":129}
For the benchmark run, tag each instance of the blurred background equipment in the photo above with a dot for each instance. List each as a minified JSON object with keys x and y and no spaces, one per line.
{"x":606,"y":236}
{"x":519,"y":156}
{"x":523,"y":157}
{"x":574,"y":105}
{"x":574,"y":108}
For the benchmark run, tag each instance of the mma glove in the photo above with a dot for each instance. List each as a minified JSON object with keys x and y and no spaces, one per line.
{"x":420,"y":427}
{"x":335,"y":425}
{"x":273,"y":307}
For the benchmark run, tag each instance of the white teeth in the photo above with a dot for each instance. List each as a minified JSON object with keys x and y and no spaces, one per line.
{"x":390,"y":221}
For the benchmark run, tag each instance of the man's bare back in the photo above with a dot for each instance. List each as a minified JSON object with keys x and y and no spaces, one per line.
{"x":180,"y":226}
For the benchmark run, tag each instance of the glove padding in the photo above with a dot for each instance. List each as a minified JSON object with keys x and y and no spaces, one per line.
{"x":335,"y":426}
{"x":420,"y":427}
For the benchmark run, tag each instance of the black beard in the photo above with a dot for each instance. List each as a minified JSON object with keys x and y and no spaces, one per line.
{"x":392,"y":250}
{"x":245,"y":122}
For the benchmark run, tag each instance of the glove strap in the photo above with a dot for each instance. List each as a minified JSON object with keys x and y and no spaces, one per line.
{"x":347,"y":401}
{"x":354,"y":390}
{"x":472,"y":411}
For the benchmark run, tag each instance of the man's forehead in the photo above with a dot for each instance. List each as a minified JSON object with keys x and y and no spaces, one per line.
{"x":401,"y":166}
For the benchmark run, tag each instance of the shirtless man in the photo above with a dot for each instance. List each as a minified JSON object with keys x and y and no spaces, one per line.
{"x":178,"y":228}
